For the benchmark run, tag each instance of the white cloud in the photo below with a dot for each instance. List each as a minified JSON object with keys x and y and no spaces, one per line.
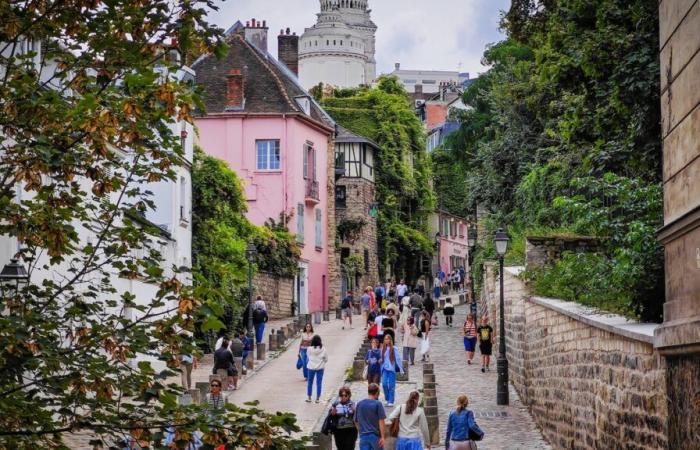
{"x":420,"y":34}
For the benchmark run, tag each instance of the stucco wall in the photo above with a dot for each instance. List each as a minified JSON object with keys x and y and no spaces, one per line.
{"x":590,"y":381}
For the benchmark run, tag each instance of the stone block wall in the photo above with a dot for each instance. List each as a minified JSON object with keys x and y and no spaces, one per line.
{"x":587,"y":384}
{"x":360,"y":193}
{"x":540,"y":251}
{"x":277,"y":292}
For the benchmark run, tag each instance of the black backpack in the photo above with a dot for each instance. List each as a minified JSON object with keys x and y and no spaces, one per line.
{"x":345,"y":303}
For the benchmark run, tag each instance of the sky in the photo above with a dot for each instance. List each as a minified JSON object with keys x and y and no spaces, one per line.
{"x":419,"y":34}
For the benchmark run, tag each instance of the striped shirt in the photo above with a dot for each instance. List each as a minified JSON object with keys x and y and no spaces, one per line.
{"x":469,"y":330}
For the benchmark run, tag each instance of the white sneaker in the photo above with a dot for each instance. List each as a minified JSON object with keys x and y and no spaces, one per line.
{"x":389,"y":404}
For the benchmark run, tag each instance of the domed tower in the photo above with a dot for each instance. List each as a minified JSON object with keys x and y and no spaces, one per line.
{"x":339,"y":49}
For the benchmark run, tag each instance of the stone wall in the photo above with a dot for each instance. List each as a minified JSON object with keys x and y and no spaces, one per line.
{"x":277,"y":292}
{"x":590,"y":380}
{"x":541,"y":251}
{"x":359,"y":195}
{"x":333,"y":300}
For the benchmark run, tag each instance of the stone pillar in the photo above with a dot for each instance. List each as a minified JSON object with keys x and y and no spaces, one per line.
{"x":358,"y":366}
{"x":273,"y":341}
{"x":281,"y":338}
{"x":679,"y":336}
{"x":260,"y":351}
{"x":326,"y":316}
{"x":338,"y":313}
{"x":250,"y":362}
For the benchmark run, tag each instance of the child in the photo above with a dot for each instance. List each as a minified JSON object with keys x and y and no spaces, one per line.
{"x":448,"y":311}
{"x":374,"y":362}
{"x":485,"y":333}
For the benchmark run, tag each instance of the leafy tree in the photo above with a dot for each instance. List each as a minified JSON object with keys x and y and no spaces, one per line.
{"x":89,"y":101}
{"x":402,"y":169}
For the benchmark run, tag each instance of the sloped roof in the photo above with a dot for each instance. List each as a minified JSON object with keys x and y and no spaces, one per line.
{"x":269,"y":87}
{"x":346,"y":136}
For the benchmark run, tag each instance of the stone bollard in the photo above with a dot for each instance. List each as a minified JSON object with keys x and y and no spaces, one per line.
{"x":434,"y":428}
{"x":281,"y":338}
{"x":429,"y":392}
{"x":317,"y":318}
{"x":430,"y":401}
{"x":250,"y":361}
{"x":428,"y":378}
{"x":260,"y":351}
{"x":326,"y":316}
{"x":462,"y":299}
{"x":273,"y":341}
{"x":203,"y":388}
{"x":195,"y":395}
{"x":307,"y":319}
{"x":358,"y":366}
{"x":338,"y":313}
{"x":428,"y":367}
{"x":291,"y":330}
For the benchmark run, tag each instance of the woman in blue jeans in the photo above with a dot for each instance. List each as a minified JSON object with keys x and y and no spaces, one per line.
{"x":460,"y":421}
{"x":391,"y":363}
{"x":317,"y":359}
{"x":304,"y":345}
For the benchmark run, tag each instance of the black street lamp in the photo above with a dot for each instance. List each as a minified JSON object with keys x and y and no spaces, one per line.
{"x":250,"y":253}
{"x":437,"y":249}
{"x":12,"y":275}
{"x":471,"y":242}
{"x":501,"y":241}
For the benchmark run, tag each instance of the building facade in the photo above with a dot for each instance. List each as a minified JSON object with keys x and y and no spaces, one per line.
{"x":280,"y":143}
{"x":339,"y":49}
{"x":678,"y":338}
{"x":356,"y":207}
{"x":428,"y":81}
{"x":452,"y":248}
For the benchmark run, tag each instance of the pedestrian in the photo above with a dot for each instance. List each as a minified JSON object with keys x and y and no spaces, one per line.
{"x":260,"y":318}
{"x":236,"y":347}
{"x":366,"y":305}
{"x":260,"y":303}
{"x":462,"y":274}
{"x":373,"y":359}
{"x":391,"y":363}
{"x":247,"y":346}
{"x":304,"y":345}
{"x":416,"y":302}
{"x":437,"y":286}
{"x":401,"y":289}
{"x":448,"y":311}
{"x":457,"y":281}
{"x":421,"y":289}
{"x":223,"y":360}
{"x":317,"y":362}
{"x":413,"y":425}
{"x":369,"y":420}
{"x":380,"y":293}
{"x":410,"y":340}
{"x":378,"y":322}
{"x":346,"y":307}
{"x":485,"y":333}
{"x":389,"y":324}
{"x":469,"y":333}
{"x":215,"y":399}
{"x":343,"y":412}
{"x":459,"y":423}
{"x":429,"y":306}
{"x":392,"y":306}
{"x":188,"y":361}
{"x":405,"y":304}
{"x":372,"y":297}
{"x":424,"y":333}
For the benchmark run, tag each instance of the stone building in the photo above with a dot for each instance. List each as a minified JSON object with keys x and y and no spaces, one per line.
{"x":679,"y":336}
{"x":355,"y":206}
{"x":339,"y":49}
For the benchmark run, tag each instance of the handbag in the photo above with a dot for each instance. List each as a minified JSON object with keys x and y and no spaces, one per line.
{"x":328,"y":424}
{"x":475,"y":433}
{"x":394,"y":429}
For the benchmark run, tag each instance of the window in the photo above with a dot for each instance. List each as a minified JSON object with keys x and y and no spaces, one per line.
{"x":333,"y":41}
{"x":300,"y":223}
{"x":409,"y":81}
{"x":340,"y":197}
{"x":319,"y":229}
{"x":305,"y":104}
{"x":268,"y":155}
{"x":184,"y":207}
{"x":309,"y":162}
{"x":328,"y":42}
{"x":341,"y":42}
{"x":428,"y":81}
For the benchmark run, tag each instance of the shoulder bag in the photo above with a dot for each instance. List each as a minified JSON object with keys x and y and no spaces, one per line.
{"x":394,"y":429}
{"x":475,"y":433}
{"x":344,"y":422}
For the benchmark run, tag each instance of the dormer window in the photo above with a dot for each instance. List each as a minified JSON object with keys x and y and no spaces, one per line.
{"x":305,"y":104}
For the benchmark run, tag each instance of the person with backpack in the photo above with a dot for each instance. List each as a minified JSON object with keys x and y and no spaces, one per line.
{"x":260,"y":318}
{"x":223,"y":360}
{"x":346,"y":307}
{"x":462,"y":429}
{"x":380,"y":293}
{"x":413,"y":433}
{"x":236,"y":346}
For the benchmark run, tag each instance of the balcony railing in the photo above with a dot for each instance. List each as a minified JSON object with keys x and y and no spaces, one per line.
{"x":311,"y":195}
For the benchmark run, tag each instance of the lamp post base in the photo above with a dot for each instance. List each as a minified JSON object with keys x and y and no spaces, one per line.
{"x":502,"y":387}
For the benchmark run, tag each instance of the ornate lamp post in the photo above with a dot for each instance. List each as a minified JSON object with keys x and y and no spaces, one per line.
{"x":250,"y":253}
{"x":501,"y":241}
{"x":437,"y":249}
{"x":471,"y":242}
{"x":12,"y":275}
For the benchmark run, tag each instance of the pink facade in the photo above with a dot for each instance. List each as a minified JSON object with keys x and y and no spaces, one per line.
{"x":453,"y":248}
{"x":292,"y":187}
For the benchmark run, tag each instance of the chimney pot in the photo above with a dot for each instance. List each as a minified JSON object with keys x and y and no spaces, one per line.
{"x":264,"y":24}
{"x":253,"y":22}
{"x":247,"y":23}
{"x":288,"y":30}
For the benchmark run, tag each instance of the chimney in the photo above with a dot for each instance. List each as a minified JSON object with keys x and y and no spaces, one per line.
{"x":235,"y":90}
{"x":397,"y":66}
{"x":256,"y":33}
{"x":288,"y":50}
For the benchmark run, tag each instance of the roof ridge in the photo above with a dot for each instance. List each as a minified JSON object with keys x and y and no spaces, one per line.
{"x":278,"y":82}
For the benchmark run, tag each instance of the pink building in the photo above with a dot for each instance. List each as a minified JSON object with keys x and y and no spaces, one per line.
{"x":450,"y":232}
{"x":276,"y":138}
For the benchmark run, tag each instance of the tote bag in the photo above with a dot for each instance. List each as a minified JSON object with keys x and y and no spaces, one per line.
{"x":424,"y":346}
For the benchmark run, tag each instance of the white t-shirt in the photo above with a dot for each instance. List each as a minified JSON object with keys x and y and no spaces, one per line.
{"x":401,"y":290}
{"x":378,"y":321}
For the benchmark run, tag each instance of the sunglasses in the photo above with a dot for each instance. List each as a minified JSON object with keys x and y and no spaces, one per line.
{"x":216,"y":385}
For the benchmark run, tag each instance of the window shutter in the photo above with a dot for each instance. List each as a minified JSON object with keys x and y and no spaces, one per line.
{"x":306,"y":161}
{"x":300,"y":223}
{"x":319,"y":229}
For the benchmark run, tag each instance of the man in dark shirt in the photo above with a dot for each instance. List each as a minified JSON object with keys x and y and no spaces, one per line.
{"x":223,"y":360}
{"x":416,"y":303}
{"x":369,"y":420}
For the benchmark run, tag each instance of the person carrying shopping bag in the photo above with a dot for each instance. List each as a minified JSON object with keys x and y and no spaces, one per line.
{"x":412,"y":430}
{"x":391,"y":364}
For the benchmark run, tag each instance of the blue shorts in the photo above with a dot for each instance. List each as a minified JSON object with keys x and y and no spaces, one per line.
{"x":469,"y":344}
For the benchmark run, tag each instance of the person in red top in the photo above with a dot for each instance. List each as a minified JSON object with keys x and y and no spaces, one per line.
{"x":469,"y":333}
